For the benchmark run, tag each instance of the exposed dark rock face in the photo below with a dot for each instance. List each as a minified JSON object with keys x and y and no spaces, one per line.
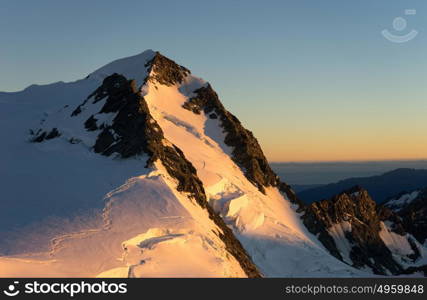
{"x":412,"y":270}
{"x":412,"y":216}
{"x":415,"y":219}
{"x":357,"y":208}
{"x":415,"y":249}
{"x":313,"y":220}
{"x":386,"y":214}
{"x":90,"y":124}
{"x":166,"y":71}
{"x":133,"y":131}
{"x":78,"y":109}
{"x":41,"y":136}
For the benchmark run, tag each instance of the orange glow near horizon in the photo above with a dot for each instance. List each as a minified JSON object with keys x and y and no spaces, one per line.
{"x":357,"y":146}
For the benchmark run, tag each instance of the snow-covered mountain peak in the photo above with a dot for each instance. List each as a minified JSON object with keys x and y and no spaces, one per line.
{"x":148,"y":65}
{"x":132,"y":67}
{"x":178,"y":174}
{"x":114,"y":120}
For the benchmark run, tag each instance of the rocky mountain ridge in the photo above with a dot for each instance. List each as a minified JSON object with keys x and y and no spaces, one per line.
{"x":358,"y":231}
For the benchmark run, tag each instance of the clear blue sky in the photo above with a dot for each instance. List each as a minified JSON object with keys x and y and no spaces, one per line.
{"x":314,"y":80}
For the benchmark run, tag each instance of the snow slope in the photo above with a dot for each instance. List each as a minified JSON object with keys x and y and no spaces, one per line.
{"x":401,"y":248}
{"x":398,"y":203}
{"x":344,"y":246}
{"x":144,"y":221}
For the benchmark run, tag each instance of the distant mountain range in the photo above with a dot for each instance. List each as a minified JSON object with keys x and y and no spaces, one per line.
{"x":380,"y":187}
{"x":302,"y":187}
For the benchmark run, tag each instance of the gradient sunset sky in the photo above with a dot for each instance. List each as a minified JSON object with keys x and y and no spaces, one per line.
{"x":314,"y":80}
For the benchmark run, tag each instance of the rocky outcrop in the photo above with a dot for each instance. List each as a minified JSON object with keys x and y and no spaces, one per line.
{"x":414,"y":218}
{"x":410,"y":216}
{"x":165,"y":71}
{"x":40,"y":135}
{"x":395,"y":222}
{"x":357,"y":209}
{"x":411,"y":270}
{"x":133,"y":131}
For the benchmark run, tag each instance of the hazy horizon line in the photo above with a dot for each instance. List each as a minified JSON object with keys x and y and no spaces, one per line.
{"x":350,"y":161}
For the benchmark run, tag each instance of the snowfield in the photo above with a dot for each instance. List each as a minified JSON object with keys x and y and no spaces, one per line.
{"x":402,"y":201}
{"x":144,"y":221}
